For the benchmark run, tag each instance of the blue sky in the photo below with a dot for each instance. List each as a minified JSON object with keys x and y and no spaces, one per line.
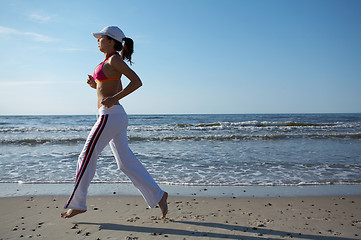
{"x":193,"y":56}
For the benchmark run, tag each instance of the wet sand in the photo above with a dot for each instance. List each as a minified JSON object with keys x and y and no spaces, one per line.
{"x":127,"y":217}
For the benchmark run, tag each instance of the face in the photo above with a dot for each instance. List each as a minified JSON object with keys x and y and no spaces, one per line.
{"x":104,"y":43}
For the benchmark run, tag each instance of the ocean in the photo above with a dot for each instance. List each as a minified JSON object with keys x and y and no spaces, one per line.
{"x":192,"y":150}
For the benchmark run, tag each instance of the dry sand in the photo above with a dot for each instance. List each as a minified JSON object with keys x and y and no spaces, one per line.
{"x":123,"y":217}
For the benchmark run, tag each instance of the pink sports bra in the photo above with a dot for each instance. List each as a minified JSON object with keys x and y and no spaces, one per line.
{"x":98,"y":71}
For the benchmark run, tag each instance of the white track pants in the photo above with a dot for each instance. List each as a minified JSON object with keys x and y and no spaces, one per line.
{"x":111,"y":128}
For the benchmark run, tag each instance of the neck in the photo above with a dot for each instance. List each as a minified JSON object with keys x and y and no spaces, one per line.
{"x":108,"y":52}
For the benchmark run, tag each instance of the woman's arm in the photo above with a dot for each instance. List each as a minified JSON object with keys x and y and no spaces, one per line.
{"x":133,"y":85}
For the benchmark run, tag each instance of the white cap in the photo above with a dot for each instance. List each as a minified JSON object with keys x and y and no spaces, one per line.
{"x":111,"y":31}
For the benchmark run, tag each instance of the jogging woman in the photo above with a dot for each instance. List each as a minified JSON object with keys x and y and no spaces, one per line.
{"x":111,"y":126}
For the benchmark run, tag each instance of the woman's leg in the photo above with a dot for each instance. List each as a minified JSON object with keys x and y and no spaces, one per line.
{"x":98,"y":138}
{"x":134,"y":169}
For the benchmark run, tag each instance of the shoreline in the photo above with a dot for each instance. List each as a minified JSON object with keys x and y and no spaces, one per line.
{"x":125,"y":189}
{"x":189,"y":218}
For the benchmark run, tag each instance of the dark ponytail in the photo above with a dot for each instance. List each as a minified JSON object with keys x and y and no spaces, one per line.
{"x":127,"y":50}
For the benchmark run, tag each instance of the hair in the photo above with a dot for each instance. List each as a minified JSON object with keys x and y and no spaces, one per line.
{"x":126,"y":50}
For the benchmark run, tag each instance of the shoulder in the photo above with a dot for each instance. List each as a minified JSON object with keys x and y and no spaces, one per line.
{"x":115,"y":58}
{"x":117,"y":62}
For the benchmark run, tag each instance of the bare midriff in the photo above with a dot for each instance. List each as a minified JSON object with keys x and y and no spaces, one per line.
{"x":107,"y":89}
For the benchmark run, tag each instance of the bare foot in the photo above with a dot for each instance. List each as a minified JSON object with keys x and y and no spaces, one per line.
{"x":164,"y":205}
{"x":71,"y":213}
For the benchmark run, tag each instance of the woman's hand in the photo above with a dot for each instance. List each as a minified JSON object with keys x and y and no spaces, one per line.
{"x":135,"y":82}
{"x":91,"y":81}
{"x":108,"y":101}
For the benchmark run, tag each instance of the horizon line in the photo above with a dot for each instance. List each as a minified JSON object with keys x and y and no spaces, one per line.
{"x":129,"y":114}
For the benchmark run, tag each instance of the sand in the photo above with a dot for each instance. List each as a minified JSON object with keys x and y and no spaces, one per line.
{"x":127,"y":217}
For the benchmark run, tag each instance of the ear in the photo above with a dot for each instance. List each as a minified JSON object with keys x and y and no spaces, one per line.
{"x":111,"y":41}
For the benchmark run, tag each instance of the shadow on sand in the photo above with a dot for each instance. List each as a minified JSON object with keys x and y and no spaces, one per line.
{"x":235,"y":228}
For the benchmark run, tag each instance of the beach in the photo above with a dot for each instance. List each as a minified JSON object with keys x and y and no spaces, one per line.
{"x":128,"y":217}
{"x":241,"y":176}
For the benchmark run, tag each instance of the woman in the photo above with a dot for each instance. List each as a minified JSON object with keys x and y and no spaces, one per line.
{"x":111,"y":125}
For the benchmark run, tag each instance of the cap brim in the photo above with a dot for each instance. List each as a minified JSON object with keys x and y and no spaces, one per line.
{"x":98,"y":34}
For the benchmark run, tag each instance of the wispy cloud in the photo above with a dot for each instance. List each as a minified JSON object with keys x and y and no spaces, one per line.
{"x":40,"y":18}
{"x":33,"y":83}
{"x":61,"y":49}
{"x":74,"y":49}
{"x":34,"y":36}
{"x":7,"y":31}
